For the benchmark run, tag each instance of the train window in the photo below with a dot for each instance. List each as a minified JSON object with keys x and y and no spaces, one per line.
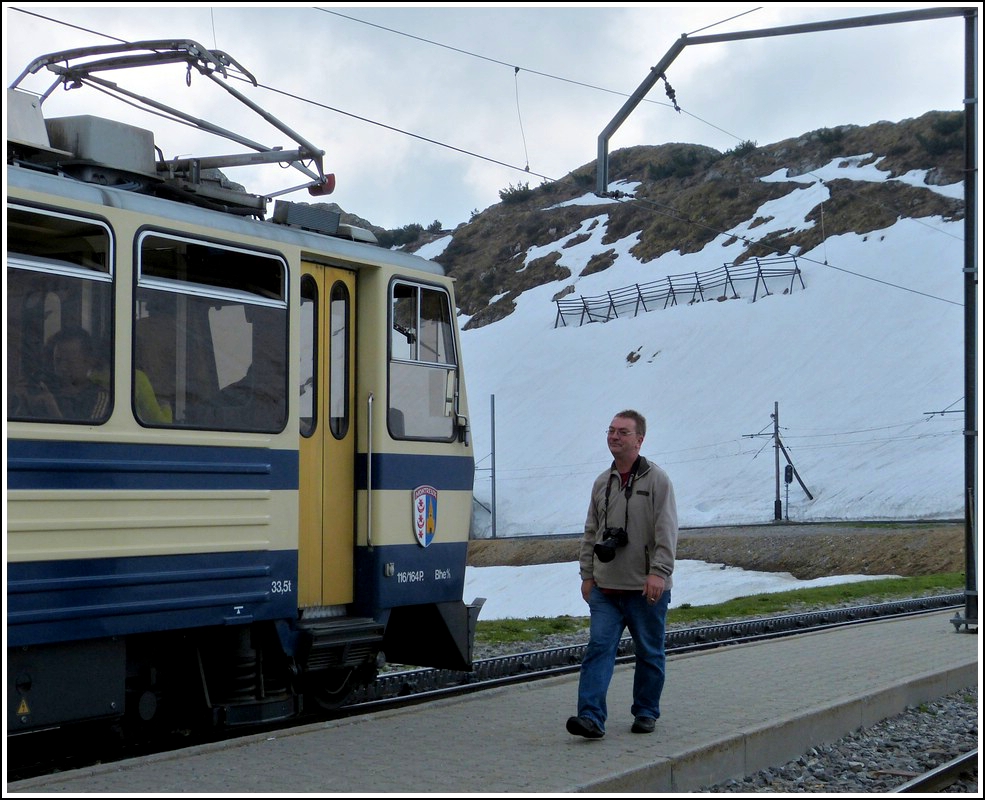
{"x":59,"y":317}
{"x":338,"y":393}
{"x":211,"y":269}
{"x":423,"y":374}
{"x":309,"y":355}
{"x":421,"y":320}
{"x":210,"y":336}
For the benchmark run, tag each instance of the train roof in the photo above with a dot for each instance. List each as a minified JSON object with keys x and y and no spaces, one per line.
{"x":312,"y":243}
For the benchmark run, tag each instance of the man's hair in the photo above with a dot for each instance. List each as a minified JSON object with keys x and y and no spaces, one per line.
{"x":637,"y":417}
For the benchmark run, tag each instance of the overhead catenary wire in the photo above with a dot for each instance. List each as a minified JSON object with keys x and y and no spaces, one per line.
{"x":398,"y":130}
{"x":824,"y":241}
{"x":70,"y":25}
{"x":527,"y":472}
{"x":538,"y":72}
{"x":215,"y":40}
{"x":723,"y":21}
{"x":516,"y":84}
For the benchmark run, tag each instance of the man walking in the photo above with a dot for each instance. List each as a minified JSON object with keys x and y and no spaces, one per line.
{"x":626,"y":562}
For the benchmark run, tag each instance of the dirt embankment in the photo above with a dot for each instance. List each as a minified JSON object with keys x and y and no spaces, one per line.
{"x":805,"y":551}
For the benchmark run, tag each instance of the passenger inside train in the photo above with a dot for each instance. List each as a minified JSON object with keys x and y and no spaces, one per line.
{"x":70,"y":389}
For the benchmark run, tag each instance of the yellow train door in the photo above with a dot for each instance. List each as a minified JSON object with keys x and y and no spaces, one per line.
{"x":328,"y":437}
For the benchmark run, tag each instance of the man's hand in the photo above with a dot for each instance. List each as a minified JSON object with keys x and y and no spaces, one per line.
{"x":653,"y":588}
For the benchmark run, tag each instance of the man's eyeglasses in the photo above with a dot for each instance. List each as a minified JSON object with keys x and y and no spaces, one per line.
{"x":619,"y":432}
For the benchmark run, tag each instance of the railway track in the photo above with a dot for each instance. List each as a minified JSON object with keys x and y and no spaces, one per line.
{"x":428,"y":683}
{"x":35,"y":755}
{"x":962,"y":769}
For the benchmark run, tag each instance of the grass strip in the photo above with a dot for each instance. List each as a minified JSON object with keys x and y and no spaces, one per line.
{"x":881,"y":590}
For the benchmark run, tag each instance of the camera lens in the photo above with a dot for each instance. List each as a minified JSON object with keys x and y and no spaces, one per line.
{"x":612,"y":539}
{"x":605,"y":552}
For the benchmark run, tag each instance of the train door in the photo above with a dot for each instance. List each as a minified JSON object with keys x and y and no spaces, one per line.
{"x":328,"y":437}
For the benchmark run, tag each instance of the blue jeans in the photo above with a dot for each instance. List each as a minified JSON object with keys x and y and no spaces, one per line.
{"x":647,"y":623}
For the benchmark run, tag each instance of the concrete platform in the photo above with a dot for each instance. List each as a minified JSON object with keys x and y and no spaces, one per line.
{"x":726,"y":713}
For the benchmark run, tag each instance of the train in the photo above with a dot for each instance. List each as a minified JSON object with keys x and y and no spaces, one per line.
{"x":239,"y":463}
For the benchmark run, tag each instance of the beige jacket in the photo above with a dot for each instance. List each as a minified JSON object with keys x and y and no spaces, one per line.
{"x":651,"y":526}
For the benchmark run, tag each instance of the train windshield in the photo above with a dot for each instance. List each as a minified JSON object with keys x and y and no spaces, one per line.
{"x":423,"y":365}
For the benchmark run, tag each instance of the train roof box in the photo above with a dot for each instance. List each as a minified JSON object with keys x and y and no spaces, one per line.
{"x":25,"y":122}
{"x":106,"y":142}
{"x":320,"y":220}
{"x":357,"y":234}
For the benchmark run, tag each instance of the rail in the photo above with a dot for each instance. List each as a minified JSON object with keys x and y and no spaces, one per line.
{"x":694,"y":287}
{"x":943,"y":776}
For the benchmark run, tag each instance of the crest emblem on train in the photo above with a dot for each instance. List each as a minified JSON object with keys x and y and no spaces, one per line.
{"x":425,"y":514}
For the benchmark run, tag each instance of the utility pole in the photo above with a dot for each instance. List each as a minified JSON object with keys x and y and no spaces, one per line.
{"x":777,"y":504}
{"x":791,"y":472}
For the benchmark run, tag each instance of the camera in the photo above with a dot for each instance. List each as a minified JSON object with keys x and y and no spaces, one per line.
{"x":612,"y":538}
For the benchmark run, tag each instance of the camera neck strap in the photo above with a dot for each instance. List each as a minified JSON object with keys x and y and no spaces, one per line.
{"x":628,"y":491}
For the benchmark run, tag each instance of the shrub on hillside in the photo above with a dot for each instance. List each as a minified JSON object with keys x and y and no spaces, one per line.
{"x":515,"y":194}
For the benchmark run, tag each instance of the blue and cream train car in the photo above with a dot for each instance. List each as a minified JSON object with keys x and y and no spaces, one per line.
{"x":239,"y":475}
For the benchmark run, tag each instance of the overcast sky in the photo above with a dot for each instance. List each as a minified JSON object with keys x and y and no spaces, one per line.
{"x":426,"y":113}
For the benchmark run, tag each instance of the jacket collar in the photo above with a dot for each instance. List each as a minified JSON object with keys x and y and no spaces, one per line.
{"x":643,"y":468}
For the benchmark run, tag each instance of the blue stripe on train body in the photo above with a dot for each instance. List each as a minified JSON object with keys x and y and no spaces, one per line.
{"x":76,"y":599}
{"x":41,"y":464}
{"x":410,"y":470}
